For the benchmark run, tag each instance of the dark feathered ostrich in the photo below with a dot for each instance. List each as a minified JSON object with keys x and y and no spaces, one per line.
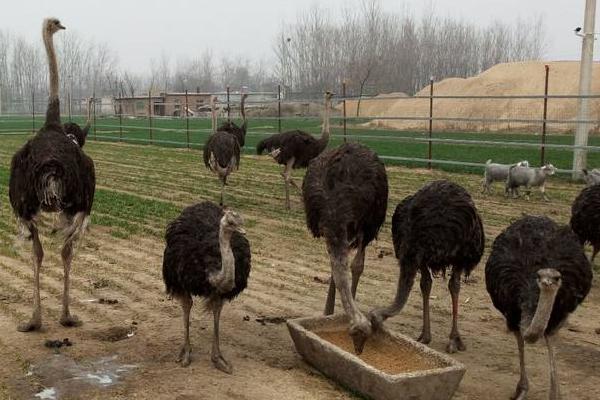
{"x":51,"y":173}
{"x":536,"y":275}
{"x":295,"y":149}
{"x":238,"y":131}
{"x":221,"y":152}
{"x":207,"y":256}
{"x":345,"y":194}
{"x":585,"y":217}
{"x":74,"y":131}
{"x":436,"y":228}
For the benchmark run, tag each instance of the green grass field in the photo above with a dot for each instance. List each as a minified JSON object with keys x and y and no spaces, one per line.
{"x":172,"y":132}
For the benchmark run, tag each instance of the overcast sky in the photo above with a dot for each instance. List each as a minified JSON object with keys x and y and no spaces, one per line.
{"x":140,"y":30}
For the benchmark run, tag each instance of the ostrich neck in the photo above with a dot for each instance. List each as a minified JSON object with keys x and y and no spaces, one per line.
{"x":243,"y":111}
{"x":225,"y":278}
{"x":214,"y":120}
{"x":540,"y":319}
{"x":325,"y":131}
{"x":52,"y":64}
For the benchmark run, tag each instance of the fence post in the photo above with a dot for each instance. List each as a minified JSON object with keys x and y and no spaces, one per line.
{"x":150,"y":116}
{"x":94,"y":102}
{"x":279,"y":108}
{"x":187,"y":119}
{"x":33,"y":111}
{"x":545,"y":115}
{"x":430,"y":119}
{"x":120,"y":119}
{"x":344,"y":108}
{"x":228,"y":106}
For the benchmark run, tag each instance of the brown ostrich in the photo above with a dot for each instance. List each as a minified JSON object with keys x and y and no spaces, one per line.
{"x":345,"y":194}
{"x":294,"y":149}
{"x":585,"y":217}
{"x":221,"y":152}
{"x":537,"y":274}
{"x":238,"y":131}
{"x":74,"y":131}
{"x":51,"y":173}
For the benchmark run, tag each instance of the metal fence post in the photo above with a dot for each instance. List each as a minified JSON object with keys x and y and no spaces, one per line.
{"x":228,"y":106}
{"x":33,"y":111}
{"x":187,"y":119}
{"x":94,"y":103}
{"x":344,"y":108}
{"x":279,"y":108}
{"x":150,"y":117}
{"x":430,"y":120}
{"x":120,"y":119}
{"x":545,"y":115}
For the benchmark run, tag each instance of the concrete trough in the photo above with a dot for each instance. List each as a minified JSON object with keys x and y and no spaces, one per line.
{"x":392,"y":366}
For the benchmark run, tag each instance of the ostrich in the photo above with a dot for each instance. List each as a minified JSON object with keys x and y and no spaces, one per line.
{"x":221,"y":152}
{"x":50,"y":173}
{"x":434,"y":229}
{"x":207,"y":256}
{"x":296,"y":148}
{"x":585,"y":217}
{"x":345,"y":194}
{"x":231,"y":127}
{"x":74,"y":131}
{"x":537,"y":274}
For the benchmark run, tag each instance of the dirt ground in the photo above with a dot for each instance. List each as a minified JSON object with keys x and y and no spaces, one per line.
{"x":127,"y":349}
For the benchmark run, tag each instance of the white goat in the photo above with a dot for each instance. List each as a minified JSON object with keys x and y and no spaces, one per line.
{"x":497,"y":172}
{"x":528,"y":177}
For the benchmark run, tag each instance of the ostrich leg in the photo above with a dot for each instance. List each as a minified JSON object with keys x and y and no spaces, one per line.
{"x":186,"y":348}
{"x":330,"y":303}
{"x":426,"y":281}
{"x":38,"y":255}
{"x":405,"y":284}
{"x":523,"y":385}
{"x":216,"y":357}
{"x":455,"y":342}
{"x":287,"y":177}
{"x":358,"y":265}
{"x":554,"y":384}
{"x":75,"y":228}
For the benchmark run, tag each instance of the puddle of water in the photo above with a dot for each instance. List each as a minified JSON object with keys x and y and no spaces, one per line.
{"x":65,"y":377}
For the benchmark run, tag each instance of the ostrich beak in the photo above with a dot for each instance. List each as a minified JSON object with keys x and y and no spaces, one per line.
{"x":61,"y":26}
{"x":359,"y":339}
{"x":240,"y":230}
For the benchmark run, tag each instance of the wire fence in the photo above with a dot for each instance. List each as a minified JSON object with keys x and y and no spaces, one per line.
{"x":455,"y":132}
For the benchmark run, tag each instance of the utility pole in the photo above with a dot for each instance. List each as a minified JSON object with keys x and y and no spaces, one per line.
{"x":0,"y":99}
{"x":585,"y":86}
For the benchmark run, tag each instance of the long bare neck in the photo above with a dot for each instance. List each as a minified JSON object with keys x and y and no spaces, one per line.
{"x":243,"y":112}
{"x":326,"y":128}
{"x":540,"y":319}
{"x":213,"y":118}
{"x":52,"y":64}
{"x":227,"y":273}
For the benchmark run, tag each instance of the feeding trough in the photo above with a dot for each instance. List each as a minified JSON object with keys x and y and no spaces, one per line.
{"x":392,"y":366}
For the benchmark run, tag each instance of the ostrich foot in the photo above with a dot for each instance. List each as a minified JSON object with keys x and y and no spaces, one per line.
{"x":221,"y":363}
{"x":520,"y":392}
{"x":70,"y":321}
{"x":33,"y":325}
{"x":455,"y":344}
{"x":425,"y":338}
{"x":185,"y":355}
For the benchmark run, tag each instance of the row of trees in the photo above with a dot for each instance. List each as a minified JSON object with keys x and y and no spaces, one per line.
{"x":373,"y":50}
{"x":383,"y":51}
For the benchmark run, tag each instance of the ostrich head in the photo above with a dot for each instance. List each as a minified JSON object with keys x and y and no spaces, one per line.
{"x":329,"y":95}
{"x":232,"y":222}
{"x":549,"y":280}
{"x":360,"y":331}
{"x":51,"y":26}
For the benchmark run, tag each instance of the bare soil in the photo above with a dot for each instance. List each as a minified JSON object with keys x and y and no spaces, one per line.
{"x":389,"y":356}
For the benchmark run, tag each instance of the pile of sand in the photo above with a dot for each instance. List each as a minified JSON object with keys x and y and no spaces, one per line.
{"x":520,"y":78}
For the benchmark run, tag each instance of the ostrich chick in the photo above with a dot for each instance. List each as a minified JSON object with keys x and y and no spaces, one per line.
{"x":208,"y":256}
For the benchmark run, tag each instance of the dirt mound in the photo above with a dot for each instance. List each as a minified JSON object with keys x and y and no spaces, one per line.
{"x":508,"y":79}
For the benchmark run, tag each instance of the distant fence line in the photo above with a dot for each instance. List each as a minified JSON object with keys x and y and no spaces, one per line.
{"x":271,"y":106}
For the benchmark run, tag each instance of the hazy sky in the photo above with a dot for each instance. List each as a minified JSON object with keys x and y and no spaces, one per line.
{"x":141,"y":30}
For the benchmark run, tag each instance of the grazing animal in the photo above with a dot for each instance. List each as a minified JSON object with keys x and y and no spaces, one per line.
{"x":585,"y":217}
{"x":206,"y":255}
{"x":591,"y":177}
{"x":537,"y":274}
{"x":237,"y":131}
{"x":436,"y":228}
{"x":74,"y":131}
{"x":497,"y":172}
{"x":221,"y":152}
{"x":528,"y":177}
{"x":345,"y":194}
{"x":51,"y":173}
{"x":295,"y":149}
